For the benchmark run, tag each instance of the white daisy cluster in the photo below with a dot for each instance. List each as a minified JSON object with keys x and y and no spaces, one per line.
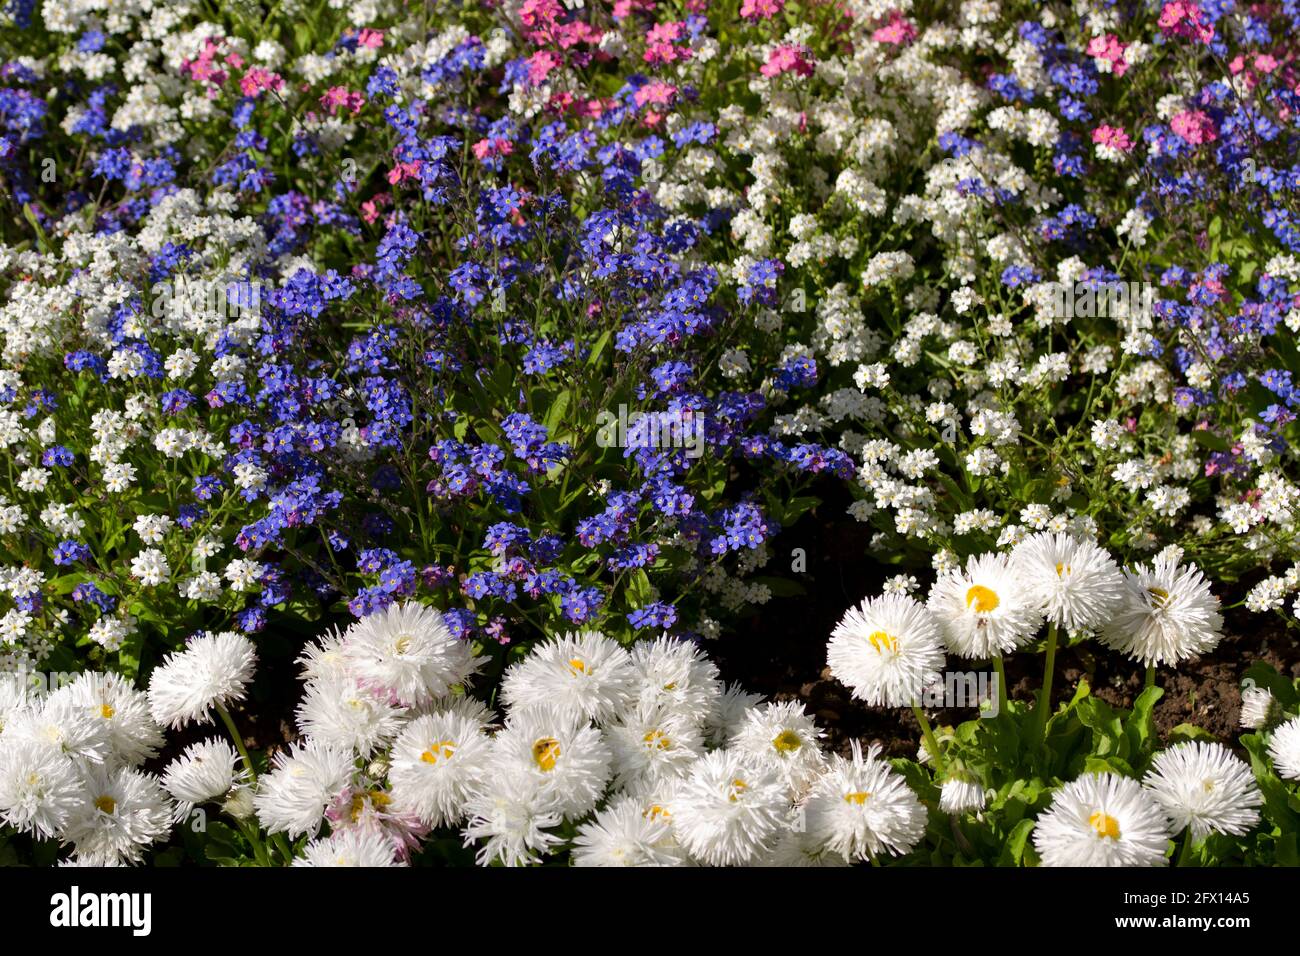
{"x":621,"y":757}
{"x":889,"y":649}
{"x":1107,"y":820}
{"x":70,"y":768}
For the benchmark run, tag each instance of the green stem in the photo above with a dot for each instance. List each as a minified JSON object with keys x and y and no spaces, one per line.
{"x":931,"y":744}
{"x":1185,"y":853}
{"x":253,"y":831}
{"x":1045,"y":695}
{"x":1151,"y":676}
{"x":1000,"y":668}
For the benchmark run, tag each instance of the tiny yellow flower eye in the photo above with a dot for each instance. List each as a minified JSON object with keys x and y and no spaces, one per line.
{"x":1159,"y":596}
{"x":738,"y":787}
{"x":106,"y":711}
{"x":858,"y":797}
{"x":1105,"y":825}
{"x":982,"y":599}
{"x":657,"y":739}
{"x":787,"y":742}
{"x":106,"y":803}
{"x":442,"y":750}
{"x":883,"y":642}
{"x":578,"y":666}
{"x":546,"y":752}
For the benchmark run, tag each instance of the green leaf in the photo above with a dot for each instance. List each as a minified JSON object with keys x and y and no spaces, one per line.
{"x":1013,"y":851}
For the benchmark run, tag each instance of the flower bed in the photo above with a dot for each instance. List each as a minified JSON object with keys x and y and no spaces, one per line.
{"x":412,"y":414}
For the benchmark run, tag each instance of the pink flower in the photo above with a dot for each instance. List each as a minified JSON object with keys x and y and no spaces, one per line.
{"x":497,"y":146}
{"x":370,"y":208}
{"x":787,"y":58}
{"x":257,"y":79}
{"x":657,"y":93}
{"x":339,"y":96}
{"x":1195,"y":127}
{"x":403,"y":171}
{"x":1112,"y":137}
{"x":372,"y":39}
{"x":761,"y":9}
{"x":1185,"y":20}
{"x":1110,"y":49}
{"x":897,"y":32}
{"x":540,"y":65}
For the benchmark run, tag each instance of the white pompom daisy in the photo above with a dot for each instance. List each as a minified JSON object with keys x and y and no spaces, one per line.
{"x":39,"y":787}
{"x":783,"y":738}
{"x":347,"y":712}
{"x":1077,"y":585}
{"x":292,"y":798}
{"x":728,"y":713}
{"x":362,"y":846}
{"x":512,"y":817}
{"x":1167,"y":615}
{"x":982,"y":610}
{"x":205,"y":772}
{"x":626,"y":834}
{"x":799,"y":848}
{"x":1102,"y":819}
{"x":212,"y":671}
{"x":122,"y":811}
{"x":676,"y":675}
{"x":435,"y":763}
{"x":409,"y":650}
{"x":1284,"y":748}
{"x":651,"y":744}
{"x":886,"y":650}
{"x":1205,"y":787}
{"x":961,"y":794}
{"x":324,"y":657}
{"x":62,"y":725}
{"x":133,"y":734}
{"x":728,"y":811}
{"x":569,"y":760}
{"x":585,"y":675}
{"x":861,"y":808}
{"x":1259,"y":708}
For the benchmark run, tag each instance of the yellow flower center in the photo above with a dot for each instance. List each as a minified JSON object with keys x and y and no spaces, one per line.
{"x":403,"y":644}
{"x":1062,"y":570}
{"x":442,"y":750}
{"x":106,"y":711}
{"x":655,"y":811}
{"x":377,"y":799}
{"x":578,"y":666}
{"x":858,"y":797}
{"x":738,"y":787}
{"x":1159,"y":596}
{"x":787,"y":742}
{"x":982,"y":599}
{"x":546,"y":752}
{"x":882,"y":641}
{"x":657,"y":739}
{"x":106,"y":803}
{"x":1105,"y":825}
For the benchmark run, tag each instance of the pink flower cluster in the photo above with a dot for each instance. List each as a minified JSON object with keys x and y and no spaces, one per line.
{"x":1186,"y":20}
{"x":899,"y":31}
{"x":787,"y":58}
{"x":1112,"y":137}
{"x":1195,"y":127}
{"x":1108,"y":47}
{"x":761,"y":9}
